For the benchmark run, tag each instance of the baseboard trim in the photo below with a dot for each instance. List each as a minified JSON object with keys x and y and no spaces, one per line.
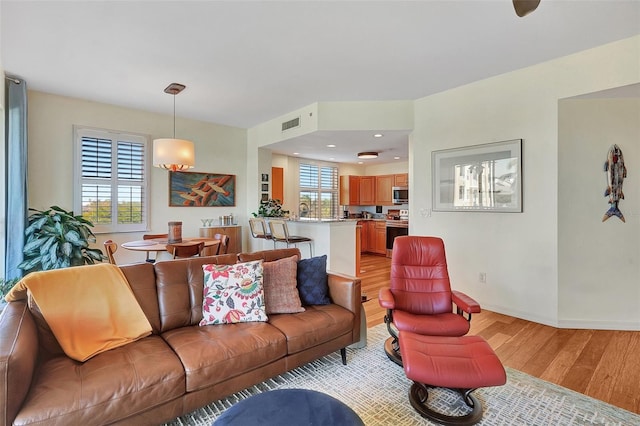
{"x":520,"y":314}
{"x":600,"y":325}
{"x":567,"y":323}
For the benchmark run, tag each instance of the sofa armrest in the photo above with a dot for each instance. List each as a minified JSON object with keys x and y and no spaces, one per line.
{"x":18,"y":356}
{"x":345,"y":291}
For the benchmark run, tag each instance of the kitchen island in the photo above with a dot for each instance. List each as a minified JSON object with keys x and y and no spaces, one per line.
{"x":335,"y":238}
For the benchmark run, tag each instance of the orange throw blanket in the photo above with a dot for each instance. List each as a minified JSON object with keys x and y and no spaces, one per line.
{"x":90,"y":309}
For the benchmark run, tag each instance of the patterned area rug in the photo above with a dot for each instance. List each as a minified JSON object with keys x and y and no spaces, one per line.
{"x":377,"y":390}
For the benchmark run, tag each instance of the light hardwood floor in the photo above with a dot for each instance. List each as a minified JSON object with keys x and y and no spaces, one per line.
{"x":599,"y":363}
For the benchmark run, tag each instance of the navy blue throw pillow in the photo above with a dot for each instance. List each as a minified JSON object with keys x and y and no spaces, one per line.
{"x":312,"y":281}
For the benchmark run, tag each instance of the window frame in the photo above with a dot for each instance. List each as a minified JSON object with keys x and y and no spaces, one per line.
{"x":115,"y":136}
{"x":335,"y":191}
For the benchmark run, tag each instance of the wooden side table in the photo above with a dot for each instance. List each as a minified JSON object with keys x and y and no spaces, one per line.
{"x":234,"y":232}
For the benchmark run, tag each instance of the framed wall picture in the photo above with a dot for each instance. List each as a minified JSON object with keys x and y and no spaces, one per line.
{"x":265,"y":197}
{"x":481,"y":178}
{"x":265,"y":177}
{"x":195,"y":189}
{"x":265,"y":187}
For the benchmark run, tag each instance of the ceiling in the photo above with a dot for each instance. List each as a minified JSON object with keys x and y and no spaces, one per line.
{"x":246,"y":62}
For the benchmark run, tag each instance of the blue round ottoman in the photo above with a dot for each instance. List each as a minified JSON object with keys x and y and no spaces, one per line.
{"x":290,"y":407}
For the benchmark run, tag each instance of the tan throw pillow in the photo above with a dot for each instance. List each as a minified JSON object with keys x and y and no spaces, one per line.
{"x":280,"y":291}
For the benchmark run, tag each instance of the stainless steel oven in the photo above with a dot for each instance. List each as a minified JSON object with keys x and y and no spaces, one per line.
{"x":395,"y":228}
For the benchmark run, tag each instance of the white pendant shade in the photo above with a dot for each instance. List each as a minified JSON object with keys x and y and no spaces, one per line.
{"x":173,"y":154}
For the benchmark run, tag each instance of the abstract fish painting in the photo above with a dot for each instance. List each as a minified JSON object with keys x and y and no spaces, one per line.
{"x":616,"y":172}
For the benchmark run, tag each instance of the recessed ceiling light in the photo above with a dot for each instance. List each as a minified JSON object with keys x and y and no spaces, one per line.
{"x":378,"y":135}
{"x":331,"y":158}
{"x":367,"y":155}
{"x":360,"y":162}
{"x":296,"y":153}
{"x":396,"y":158}
{"x":331,"y":146}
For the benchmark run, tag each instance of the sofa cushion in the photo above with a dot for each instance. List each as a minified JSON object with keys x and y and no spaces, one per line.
{"x":109,"y":387}
{"x":180,"y":283}
{"x":215,"y":353}
{"x":270,"y":255}
{"x":314,"y":326}
{"x":312,"y":281}
{"x":233,"y":293}
{"x":280,"y":292}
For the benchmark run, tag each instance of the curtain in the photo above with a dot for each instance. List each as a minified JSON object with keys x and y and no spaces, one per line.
{"x":16,"y":173}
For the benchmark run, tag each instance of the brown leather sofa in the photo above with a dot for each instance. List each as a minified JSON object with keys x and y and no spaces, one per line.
{"x":178,"y":368}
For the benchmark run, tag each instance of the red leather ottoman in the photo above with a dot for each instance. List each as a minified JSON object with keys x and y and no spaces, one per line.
{"x":461,"y":363}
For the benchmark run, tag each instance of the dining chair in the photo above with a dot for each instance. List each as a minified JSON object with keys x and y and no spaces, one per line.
{"x":258,"y":227}
{"x":185,"y":249}
{"x":153,"y":237}
{"x":223,"y":247}
{"x":280,"y":233}
{"x":110,"y":248}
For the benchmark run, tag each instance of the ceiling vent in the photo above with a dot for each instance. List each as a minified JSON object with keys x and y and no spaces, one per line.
{"x":291,"y":124}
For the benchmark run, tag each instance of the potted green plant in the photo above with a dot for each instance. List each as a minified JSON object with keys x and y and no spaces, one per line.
{"x":5,"y":288}
{"x":56,"y":239}
{"x":270,"y":208}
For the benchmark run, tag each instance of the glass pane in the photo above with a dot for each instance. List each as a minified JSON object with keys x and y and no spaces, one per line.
{"x":96,"y":158}
{"x":130,"y":161}
{"x":308,"y":176}
{"x":96,"y":203}
{"x":329,"y":178}
{"x":308,"y":204}
{"x":329,"y":205}
{"x":130,"y":205}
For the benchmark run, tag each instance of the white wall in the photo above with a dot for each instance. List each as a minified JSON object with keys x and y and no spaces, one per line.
{"x":397,"y":167}
{"x":517,"y":251}
{"x":219,"y":149}
{"x":598,"y":262}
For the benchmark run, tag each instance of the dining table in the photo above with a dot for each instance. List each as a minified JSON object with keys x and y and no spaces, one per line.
{"x":159,"y":245}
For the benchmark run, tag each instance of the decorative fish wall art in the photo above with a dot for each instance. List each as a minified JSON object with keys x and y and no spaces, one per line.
{"x":616,"y":172}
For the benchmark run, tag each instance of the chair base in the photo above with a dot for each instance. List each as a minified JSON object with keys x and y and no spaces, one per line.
{"x":418,"y":396}
{"x":392,"y":349}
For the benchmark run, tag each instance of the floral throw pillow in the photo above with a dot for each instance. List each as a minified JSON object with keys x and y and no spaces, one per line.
{"x":233,"y":293}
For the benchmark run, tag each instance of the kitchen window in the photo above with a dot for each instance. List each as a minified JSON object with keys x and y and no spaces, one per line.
{"x":319,"y":191}
{"x":111,"y":174}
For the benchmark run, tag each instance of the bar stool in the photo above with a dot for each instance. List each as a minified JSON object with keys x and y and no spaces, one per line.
{"x":280,"y":233}
{"x":258,"y":227}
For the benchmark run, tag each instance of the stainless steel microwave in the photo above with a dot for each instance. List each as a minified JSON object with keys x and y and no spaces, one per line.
{"x":400,"y":195}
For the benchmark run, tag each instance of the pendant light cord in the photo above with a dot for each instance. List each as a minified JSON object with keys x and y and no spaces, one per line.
{"x":174,"y":116}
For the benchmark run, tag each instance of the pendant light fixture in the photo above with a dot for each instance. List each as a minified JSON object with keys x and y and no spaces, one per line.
{"x":171,"y":153}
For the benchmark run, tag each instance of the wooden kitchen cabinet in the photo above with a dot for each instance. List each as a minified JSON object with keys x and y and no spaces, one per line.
{"x":370,"y":190}
{"x":384,"y":183}
{"x":367,"y":190}
{"x":349,"y":190}
{"x":233,"y":231}
{"x":401,"y":179}
{"x":364,"y":241}
{"x":380,"y":238}
{"x":373,"y":236}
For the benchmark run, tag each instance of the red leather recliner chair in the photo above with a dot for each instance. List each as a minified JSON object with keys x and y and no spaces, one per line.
{"x":420,"y":299}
